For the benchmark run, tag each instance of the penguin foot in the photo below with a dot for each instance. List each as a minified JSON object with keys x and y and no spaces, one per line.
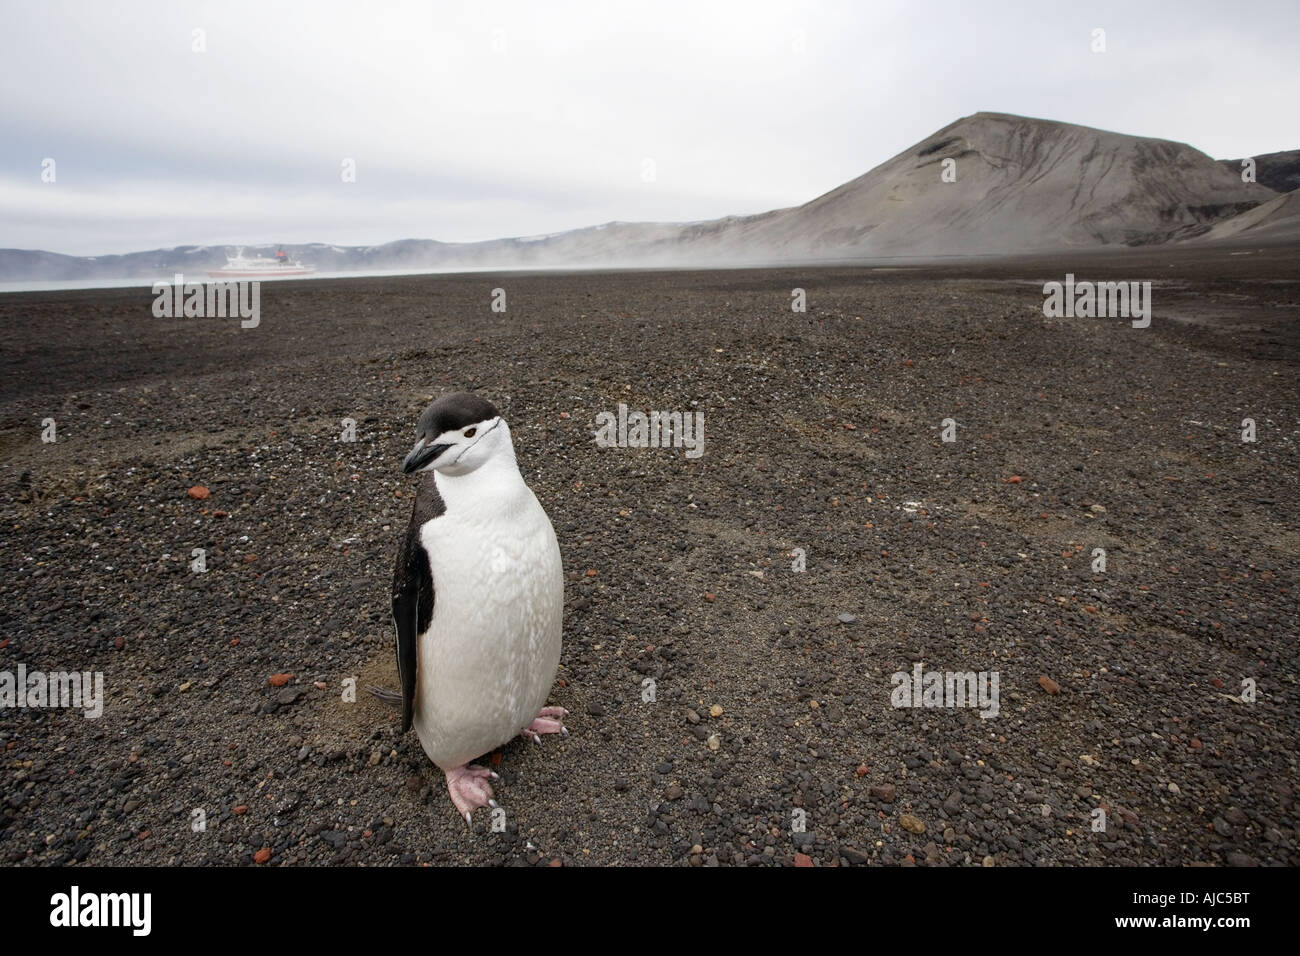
{"x":469,"y":789}
{"x":545,"y":724}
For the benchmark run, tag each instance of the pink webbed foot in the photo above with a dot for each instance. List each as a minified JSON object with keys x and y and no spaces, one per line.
{"x":469,"y":789}
{"x":546,"y":723}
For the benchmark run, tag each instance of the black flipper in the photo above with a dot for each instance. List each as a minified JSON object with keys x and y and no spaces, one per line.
{"x":413,"y":592}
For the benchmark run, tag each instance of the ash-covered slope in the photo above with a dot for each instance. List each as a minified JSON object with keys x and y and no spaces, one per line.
{"x":1021,"y":185}
{"x":1276,"y":221}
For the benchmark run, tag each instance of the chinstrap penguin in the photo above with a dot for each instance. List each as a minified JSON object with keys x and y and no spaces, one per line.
{"x":478,"y":598}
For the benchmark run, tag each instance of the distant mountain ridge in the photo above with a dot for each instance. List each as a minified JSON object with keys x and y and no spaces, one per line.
{"x":987,"y":184}
{"x":1278,"y":171}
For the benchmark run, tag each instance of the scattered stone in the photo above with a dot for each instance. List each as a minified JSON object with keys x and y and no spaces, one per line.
{"x":1049,"y":685}
{"x":884,"y":792}
{"x":911,"y":823}
{"x":854,"y":856}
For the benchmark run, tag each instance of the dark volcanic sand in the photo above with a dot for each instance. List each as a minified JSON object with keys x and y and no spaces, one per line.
{"x":1123,"y":439}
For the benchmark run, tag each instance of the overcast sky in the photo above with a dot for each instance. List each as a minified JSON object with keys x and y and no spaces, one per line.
{"x":475,"y":120}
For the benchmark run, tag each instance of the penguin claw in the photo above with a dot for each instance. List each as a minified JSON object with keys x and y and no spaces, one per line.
{"x":545,"y":724}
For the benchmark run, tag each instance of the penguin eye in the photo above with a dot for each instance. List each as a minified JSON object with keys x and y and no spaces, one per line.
{"x":469,"y":432}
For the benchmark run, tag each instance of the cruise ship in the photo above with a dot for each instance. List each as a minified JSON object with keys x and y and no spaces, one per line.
{"x":240,"y":266}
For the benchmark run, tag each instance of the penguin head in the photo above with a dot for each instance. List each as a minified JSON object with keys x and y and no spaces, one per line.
{"x":457,"y":434}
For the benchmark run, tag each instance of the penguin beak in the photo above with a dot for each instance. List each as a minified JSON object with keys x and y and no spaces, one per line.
{"x":421,"y":455}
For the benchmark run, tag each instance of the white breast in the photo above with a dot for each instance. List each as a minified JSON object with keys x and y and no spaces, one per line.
{"x":488,"y":660}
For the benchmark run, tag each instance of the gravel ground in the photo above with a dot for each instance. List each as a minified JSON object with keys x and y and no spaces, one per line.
{"x":1119,"y":691}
